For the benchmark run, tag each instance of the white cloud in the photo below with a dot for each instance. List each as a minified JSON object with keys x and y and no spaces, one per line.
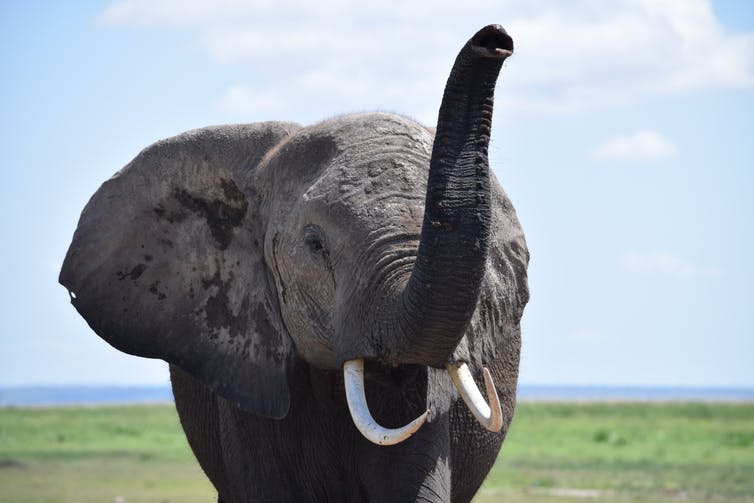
{"x":665,"y":263}
{"x":642,"y":145}
{"x":569,"y":57}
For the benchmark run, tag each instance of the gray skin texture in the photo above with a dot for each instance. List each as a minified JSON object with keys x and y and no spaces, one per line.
{"x":257,"y":258}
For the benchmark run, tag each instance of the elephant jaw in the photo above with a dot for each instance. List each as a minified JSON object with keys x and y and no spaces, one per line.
{"x":490,"y":416}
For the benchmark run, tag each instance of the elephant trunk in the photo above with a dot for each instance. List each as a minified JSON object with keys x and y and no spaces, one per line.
{"x":441,"y":294}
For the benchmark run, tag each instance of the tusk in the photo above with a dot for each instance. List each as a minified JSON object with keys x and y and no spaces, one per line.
{"x":353,"y":374}
{"x":490,"y":416}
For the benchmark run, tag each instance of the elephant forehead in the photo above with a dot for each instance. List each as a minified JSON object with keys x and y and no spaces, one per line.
{"x":348,"y":131}
{"x":365,"y":193}
{"x":378,"y":156}
{"x":365,"y":176}
{"x":346,"y":153}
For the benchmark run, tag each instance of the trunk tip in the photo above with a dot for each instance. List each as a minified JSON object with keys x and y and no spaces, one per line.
{"x":492,"y":41}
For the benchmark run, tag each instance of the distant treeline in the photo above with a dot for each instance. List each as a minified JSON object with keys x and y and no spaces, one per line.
{"x":93,"y":395}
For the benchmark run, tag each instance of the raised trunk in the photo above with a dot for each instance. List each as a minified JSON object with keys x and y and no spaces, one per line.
{"x":442,"y":292}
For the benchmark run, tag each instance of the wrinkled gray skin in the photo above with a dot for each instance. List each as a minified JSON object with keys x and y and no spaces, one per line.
{"x":257,"y":258}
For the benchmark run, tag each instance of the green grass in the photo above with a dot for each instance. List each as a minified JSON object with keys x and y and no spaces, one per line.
{"x":627,"y":451}
{"x":67,"y":433}
{"x":98,"y":454}
{"x":554,"y":452}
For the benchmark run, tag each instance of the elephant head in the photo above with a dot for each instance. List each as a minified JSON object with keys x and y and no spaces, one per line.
{"x":232,"y":251}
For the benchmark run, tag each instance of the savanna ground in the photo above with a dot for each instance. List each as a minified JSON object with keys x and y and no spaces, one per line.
{"x":555,"y":452}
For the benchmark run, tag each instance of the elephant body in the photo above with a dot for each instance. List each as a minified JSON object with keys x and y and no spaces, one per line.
{"x":263,"y":261}
{"x":316,"y":454}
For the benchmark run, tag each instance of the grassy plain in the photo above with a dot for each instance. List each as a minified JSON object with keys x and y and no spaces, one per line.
{"x":626,"y":452}
{"x":555,"y":452}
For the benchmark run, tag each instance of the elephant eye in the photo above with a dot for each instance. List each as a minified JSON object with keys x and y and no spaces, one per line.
{"x":314,"y":239}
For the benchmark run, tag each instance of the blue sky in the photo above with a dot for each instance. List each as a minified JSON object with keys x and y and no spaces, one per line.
{"x":623,"y":134}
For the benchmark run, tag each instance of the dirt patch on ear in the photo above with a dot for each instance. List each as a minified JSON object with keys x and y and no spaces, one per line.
{"x":222,"y":215}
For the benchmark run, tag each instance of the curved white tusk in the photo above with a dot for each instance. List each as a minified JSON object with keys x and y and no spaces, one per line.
{"x":490,"y":416}
{"x":353,"y":374}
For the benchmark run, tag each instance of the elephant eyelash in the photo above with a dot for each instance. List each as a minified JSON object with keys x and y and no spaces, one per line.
{"x":314,"y":239}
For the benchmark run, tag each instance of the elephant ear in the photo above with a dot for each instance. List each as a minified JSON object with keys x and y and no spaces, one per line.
{"x":494,"y":333}
{"x":167,"y":262}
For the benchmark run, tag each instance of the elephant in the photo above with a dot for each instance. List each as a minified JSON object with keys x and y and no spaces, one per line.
{"x":329,"y":298}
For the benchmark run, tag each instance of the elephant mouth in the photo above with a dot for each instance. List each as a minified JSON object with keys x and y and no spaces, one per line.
{"x":394,"y":376}
{"x":487,"y":412}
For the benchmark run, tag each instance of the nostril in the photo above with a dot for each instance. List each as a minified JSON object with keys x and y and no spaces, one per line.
{"x":493,"y":41}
